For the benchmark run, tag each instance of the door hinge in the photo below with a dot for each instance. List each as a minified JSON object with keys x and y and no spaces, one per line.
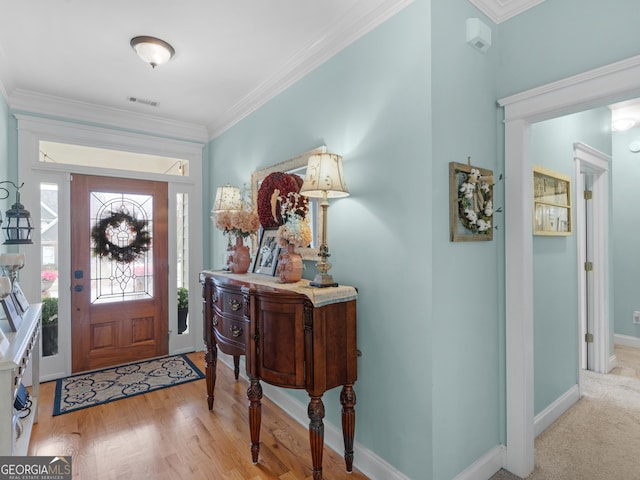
{"x":588,"y":266}
{"x":588,"y":195}
{"x":588,"y":337}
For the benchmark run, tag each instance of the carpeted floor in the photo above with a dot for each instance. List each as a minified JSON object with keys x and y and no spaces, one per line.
{"x":599,"y":437}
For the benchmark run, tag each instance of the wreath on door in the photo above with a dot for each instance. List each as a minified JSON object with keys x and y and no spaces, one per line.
{"x":134,"y":232}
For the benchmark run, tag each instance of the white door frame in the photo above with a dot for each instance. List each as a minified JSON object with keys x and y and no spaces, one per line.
{"x":31,"y":130}
{"x":616,"y":82}
{"x":591,"y":161}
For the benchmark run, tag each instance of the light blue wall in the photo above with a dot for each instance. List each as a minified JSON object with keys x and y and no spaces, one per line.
{"x":560,"y":38}
{"x":555,"y":258}
{"x":371,"y":104}
{"x":626,"y":233}
{"x":468,"y":312}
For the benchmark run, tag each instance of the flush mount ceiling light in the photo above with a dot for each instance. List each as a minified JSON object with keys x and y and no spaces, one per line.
{"x":623,"y":124}
{"x":152,"y":50}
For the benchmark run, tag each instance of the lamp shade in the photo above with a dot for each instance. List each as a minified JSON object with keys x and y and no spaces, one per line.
{"x":152,"y":50}
{"x":324,"y":174}
{"x":227,"y":198}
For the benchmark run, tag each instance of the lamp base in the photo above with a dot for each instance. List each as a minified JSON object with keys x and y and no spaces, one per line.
{"x":322,"y":280}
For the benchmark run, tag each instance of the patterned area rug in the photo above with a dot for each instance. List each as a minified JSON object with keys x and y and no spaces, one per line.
{"x":91,"y":389}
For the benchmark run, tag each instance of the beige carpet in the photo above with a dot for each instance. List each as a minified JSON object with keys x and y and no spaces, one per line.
{"x":599,"y":437}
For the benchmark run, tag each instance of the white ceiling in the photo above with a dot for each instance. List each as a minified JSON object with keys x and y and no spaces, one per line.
{"x":231,"y":55}
{"x":73,"y":56}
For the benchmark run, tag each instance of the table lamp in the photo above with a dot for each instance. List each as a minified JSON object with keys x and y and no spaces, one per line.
{"x":11,"y":263}
{"x":228,"y":199}
{"x":324,"y":179}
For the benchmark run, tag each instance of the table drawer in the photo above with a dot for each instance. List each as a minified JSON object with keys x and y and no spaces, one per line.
{"x":230,"y":331}
{"x":229,"y":303}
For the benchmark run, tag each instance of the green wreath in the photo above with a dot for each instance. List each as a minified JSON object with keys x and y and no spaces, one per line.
{"x":104,"y":247}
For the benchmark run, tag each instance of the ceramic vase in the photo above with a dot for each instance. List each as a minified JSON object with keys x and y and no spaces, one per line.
{"x":290,"y":265}
{"x":240,"y":258}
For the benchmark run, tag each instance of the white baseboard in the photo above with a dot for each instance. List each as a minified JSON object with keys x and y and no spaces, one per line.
{"x":365,"y":460}
{"x":557,"y":408}
{"x":486,"y":465}
{"x":613,"y":363}
{"x":626,"y":340}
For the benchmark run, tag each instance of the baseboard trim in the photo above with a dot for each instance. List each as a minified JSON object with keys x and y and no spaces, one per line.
{"x":486,"y":465}
{"x":626,"y":340}
{"x":365,"y":460}
{"x":557,"y":408}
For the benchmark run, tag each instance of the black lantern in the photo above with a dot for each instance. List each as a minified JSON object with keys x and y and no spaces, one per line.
{"x":18,"y":223}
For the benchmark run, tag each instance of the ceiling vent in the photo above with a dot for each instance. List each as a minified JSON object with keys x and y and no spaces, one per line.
{"x":143,"y":101}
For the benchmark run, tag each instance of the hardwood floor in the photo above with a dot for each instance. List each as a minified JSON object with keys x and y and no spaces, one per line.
{"x":170,"y":434}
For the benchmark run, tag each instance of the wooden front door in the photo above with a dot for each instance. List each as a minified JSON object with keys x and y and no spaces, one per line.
{"x":119,"y":271}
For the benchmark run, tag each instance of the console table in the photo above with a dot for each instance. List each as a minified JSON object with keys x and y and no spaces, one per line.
{"x":23,"y":348}
{"x":293,"y":336}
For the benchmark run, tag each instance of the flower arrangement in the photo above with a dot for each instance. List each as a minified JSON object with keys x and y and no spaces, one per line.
{"x":295,"y":229}
{"x":49,"y":275}
{"x":476,"y":202}
{"x":239,"y":223}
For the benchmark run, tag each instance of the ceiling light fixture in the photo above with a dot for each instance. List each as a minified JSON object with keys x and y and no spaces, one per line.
{"x":622,"y":124}
{"x":152,"y":50}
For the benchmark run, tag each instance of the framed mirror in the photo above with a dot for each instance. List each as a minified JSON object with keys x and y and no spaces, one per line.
{"x":297,"y":165}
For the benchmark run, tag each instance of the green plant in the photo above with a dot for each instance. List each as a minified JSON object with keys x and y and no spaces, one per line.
{"x":183,"y":298}
{"x":49,"y":310}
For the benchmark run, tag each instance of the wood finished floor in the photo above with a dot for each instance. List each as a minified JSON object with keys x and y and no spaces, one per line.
{"x":170,"y":434}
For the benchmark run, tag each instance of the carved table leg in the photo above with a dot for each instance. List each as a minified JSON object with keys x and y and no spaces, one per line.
{"x":211,"y":359}
{"x":236,"y":366}
{"x":348,"y":401}
{"x":254,"y":394}
{"x":316,"y":434}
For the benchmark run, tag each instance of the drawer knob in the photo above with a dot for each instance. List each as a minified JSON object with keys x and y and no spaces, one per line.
{"x":235,"y":331}
{"x":215,"y":321}
{"x":214,"y":297}
{"x":235,"y":305}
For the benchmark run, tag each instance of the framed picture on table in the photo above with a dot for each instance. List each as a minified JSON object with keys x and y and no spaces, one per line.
{"x":268,"y":252}
{"x":21,"y":302}
{"x":11,"y":312}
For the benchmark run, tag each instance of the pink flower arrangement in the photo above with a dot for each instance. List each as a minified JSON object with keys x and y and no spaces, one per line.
{"x":240,"y":223}
{"x":49,"y":275}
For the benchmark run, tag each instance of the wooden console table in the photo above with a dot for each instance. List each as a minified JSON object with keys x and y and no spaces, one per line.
{"x":293,"y":336}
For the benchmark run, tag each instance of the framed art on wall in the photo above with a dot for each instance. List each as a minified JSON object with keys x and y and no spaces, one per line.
{"x":268,"y":252}
{"x":470,"y":203}
{"x":551,"y":203}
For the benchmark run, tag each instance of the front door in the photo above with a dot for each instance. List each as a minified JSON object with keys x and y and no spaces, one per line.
{"x":119,"y":271}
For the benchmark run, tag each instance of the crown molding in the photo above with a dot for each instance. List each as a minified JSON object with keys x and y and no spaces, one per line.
{"x":33,"y":102}
{"x":501,"y":10}
{"x":306,"y":59}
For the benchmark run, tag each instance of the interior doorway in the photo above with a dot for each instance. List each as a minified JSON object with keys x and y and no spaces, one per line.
{"x":598,"y":87}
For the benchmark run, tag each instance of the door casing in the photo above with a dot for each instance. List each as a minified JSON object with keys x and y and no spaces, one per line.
{"x":33,"y":129}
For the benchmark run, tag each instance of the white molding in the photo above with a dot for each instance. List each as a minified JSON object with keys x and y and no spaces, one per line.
{"x":39,"y":103}
{"x":613,"y":363}
{"x":626,"y":340}
{"x":364,"y":459}
{"x":594,"y":88}
{"x":501,"y":10}
{"x":550,"y":414}
{"x":586,"y":90}
{"x":305,"y":60}
{"x":485,"y":466}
